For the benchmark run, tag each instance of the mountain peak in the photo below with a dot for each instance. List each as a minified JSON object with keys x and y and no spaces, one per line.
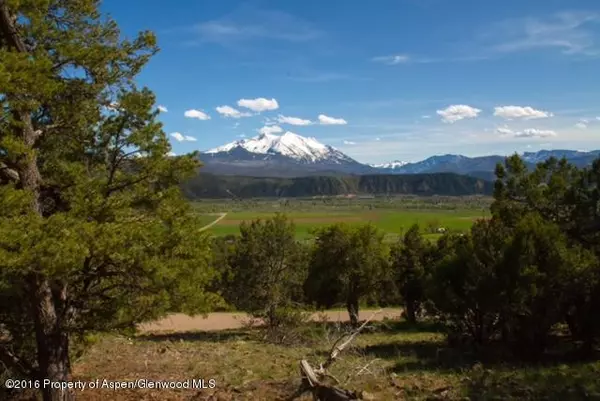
{"x":289,"y":144}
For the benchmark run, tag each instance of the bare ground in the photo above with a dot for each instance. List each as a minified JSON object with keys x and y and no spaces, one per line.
{"x":225,"y":321}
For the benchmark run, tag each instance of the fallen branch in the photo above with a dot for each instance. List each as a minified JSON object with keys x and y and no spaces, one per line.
{"x":313,"y":379}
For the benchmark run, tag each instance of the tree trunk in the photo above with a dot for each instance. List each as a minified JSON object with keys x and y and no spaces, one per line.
{"x":52,"y":344}
{"x":411,"y":313}
{"x":51,"y":337}
{"x":352,"y":306}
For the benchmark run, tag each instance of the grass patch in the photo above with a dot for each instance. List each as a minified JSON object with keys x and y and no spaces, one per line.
{"x":392,"y":360}
{"x":392,"y":222}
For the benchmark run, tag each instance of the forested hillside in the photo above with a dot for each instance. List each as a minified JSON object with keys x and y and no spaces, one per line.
{"x":206,"y":185}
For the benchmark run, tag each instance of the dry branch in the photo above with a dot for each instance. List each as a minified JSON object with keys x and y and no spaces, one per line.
{"x":313,"y":379}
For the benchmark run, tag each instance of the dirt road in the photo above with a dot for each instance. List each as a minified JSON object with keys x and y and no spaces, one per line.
{"x":223,"y":321}
{"x":209,"y":225}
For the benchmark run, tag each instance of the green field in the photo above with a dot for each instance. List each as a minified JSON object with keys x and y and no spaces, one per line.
{"x":392,"y":222}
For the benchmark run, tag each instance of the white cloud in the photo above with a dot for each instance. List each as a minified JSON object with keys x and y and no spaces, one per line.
{"x":162,"y":109}
{"x":598,"y":118}
{"x":270,"y":129}
{"x":458,"y":112}
{"x":378,"y":139}
{"x":581,"y":125}
{"x":526,"y":133}
{"x":325,"y":120}
{"x":525,"y":113}
{"x":535,"y":133}
{"x":393,"y":59}
{"x":171,"y":154}
{"x":193,"y":113}
{"x":425,"y":117}
{"x":242,"y":135}
{"x":349,"y":143}
{"x":259,"y":104}
{"x":228,"y":111}
{"x":179,"y":137}
{"x":504,"y":131}
{"x":293,"y":120}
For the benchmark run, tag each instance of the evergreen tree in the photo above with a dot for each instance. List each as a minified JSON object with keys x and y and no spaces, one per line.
{"x":94,"y":234}
{"x":347,"y":264}
{"x":268,"y":267}
{"x":409,"y":261}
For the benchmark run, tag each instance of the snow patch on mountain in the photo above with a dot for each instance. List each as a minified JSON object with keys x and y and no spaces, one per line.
{"x":394,"y":164}
{"x":289,"y":144}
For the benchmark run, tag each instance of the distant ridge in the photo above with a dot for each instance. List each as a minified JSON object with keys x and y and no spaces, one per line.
{"x":444,"y":184}
{"x":291,"y":155}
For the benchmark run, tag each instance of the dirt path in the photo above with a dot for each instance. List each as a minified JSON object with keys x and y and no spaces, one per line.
{"x":221,"y":217}
{"x":223,"y":320}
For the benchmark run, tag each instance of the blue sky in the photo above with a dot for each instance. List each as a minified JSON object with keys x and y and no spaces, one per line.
{"x":379,"y":80}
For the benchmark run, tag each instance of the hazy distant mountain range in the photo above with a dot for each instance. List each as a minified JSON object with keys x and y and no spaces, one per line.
{"x":291,"y":155}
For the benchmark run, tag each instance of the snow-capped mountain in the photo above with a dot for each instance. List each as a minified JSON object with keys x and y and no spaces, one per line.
{"x":292,"y":155}
{"x":280,"y":155}
{"x":306,"y":150}
{"x":391,"y":165}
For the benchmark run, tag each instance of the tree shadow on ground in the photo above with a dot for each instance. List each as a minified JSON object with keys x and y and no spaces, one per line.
{"x":396,"y":326}
{"x":438,"y":356}
{"x":574,"y":382}
{"x":200,"y":336}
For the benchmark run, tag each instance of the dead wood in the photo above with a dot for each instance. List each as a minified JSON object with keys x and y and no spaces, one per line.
{"x":313,"y":380}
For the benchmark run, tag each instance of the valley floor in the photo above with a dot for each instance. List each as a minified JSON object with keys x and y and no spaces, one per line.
{"x":392,"y":216}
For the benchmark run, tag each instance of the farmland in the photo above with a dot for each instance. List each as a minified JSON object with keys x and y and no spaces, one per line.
{"x":392,"y":216}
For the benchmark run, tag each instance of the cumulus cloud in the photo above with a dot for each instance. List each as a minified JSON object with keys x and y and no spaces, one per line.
{"x":457,"y":112}
{"x":259,"y":104}
{"x":162,"y":109}
{"x":581,"y":125}
{"x":193,"y":113}
{"x":228,"y":111}
{"x":504,"y":131}
{"x":172,"y":154}
{"x":526,"y":133}
{"x":535,"y":133}
{"x":349,"y":143}
{"x":326,"y":120}
{"x":293,"y":120}
{"x":516,"y":112}
{"x":179,"y":137}
{"x":270,"y":129}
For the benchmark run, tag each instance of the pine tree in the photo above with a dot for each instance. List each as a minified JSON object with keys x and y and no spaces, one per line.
{"x":94,"y":234}
{"x":409,"y":262}
{"x":347,"y":264}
